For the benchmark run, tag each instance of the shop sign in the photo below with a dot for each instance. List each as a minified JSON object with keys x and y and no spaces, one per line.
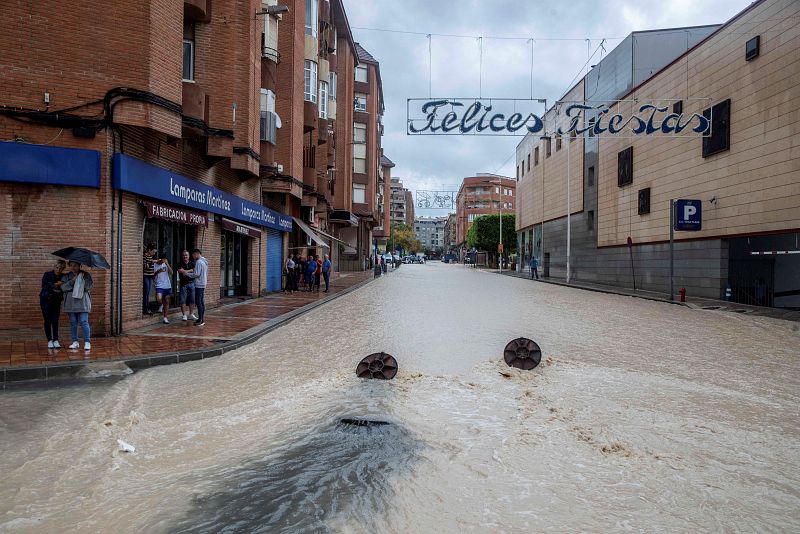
{"x":624,"y":118}
{"x":40,"y":164}
{"x":239,"y":228}
{"x":172,"y":213}
{"x":136,"y":176}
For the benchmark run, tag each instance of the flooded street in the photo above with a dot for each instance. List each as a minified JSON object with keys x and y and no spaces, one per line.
{"x":642,"y":416}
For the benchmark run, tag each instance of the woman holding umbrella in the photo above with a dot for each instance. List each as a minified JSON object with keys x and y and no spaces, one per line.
{"x":78,"y":303}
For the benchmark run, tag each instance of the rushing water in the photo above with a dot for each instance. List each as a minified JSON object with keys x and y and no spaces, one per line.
{"x":642,"y":416}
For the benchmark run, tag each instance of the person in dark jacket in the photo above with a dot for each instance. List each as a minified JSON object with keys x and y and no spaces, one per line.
{"x":50,"y":298}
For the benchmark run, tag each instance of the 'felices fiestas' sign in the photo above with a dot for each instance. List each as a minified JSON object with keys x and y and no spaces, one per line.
{"x":513,"y":117}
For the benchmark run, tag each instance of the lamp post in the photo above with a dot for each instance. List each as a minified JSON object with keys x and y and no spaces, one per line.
{"x":500,"y":206}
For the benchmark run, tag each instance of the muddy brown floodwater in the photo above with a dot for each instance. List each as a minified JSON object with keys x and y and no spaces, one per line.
{"x":642,"y":416}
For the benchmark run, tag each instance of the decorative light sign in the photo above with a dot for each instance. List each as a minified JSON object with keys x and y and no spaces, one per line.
{"x":435,"y":199}
{"x":518,"y":117}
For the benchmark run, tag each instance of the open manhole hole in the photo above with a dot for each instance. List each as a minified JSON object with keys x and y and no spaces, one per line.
{"x":378,"y":365}
{"x":352,"y":421}
{"x":522,"y":353}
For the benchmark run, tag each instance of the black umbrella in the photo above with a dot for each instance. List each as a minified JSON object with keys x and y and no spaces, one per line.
{"x":84,"y":256}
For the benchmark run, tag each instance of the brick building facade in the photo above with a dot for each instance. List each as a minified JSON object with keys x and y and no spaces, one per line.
{"x":192,"y":93}
{"x":483,"y":194}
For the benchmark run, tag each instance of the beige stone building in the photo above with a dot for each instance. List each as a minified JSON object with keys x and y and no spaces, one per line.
{"x":745,"y":74}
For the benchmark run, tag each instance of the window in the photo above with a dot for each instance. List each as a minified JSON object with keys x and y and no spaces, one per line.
{"x":323,"y":100}
{"x":548,"y":147}
{"x":310,"y":81}
{"x":719,"y":140}
{"x":573,"y":135}
{"x":360,"y":101}
{"x":644,"y":201}
{"x":359,"y":147}
{"x":188,"y":60}
{"x":752,"y":48}
{"x":590,"y":177}
{"x":536,"y":156}
{"x":335,"y":38}
{"x":471,"y":217}
{"x":267,"y":100}
{"x":518,"y":170}
{"x":523,"y":167}
{"x":625,"y":167}
{"x":529,"y":161}
{"x":497,"y":190}
{"x":590,"y":220}
{"x":359,"y":194}
{"x":332,"y":87}
{"x":677,"y":107}
{"x":312,"y":15}
{"x":558,"y":142}
{"x":591,"y":127}
{"x":361,"y":74}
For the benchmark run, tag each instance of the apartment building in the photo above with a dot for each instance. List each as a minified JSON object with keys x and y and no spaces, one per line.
{"x":383,"y":229}
{"x":450,"y":233}
{"x":482,"y":194}
{"x":401,"y":204}
{"x":147,"y":133}
{"x":192,"y":124}
{"x":743,"y":74}
{"x":431,"y":234}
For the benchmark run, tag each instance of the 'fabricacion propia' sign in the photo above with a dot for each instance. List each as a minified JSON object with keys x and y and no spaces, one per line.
{"x":623,"y":118}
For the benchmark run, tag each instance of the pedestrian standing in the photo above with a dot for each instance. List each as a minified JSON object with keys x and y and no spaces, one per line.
{"x":78,"y":303}
{"x":311,"y":268}
{"x":163,"y":272}
{"x":186,"y":290}
{"x":148,"y":261}
{"x":317,"y":273}
{"x":326,"y":272}
{"x":534,"y":268}
{"x":288,"y":269}
{"x":50,"y":298}
{"x":200,"y":276}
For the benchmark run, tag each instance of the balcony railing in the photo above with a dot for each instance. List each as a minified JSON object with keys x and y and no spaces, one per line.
{"x":269,"y":130}
{"x":270,"y":53}
{"x":309,"y":156}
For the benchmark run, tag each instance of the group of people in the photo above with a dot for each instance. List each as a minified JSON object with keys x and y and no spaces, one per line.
{"x":305,"y":273}
{"x":66,"y":283}
{"x":192,"y":277}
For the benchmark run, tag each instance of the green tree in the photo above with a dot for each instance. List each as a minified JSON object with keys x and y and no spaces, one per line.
{"x":402,"y":235}
{"x":484,"y":234}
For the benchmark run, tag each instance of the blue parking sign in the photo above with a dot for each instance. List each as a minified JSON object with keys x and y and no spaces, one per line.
{"x":688,"y":215}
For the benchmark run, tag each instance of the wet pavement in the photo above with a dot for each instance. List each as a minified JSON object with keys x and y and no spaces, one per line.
{"x":642,"y":416}
{"x":23,"y":349}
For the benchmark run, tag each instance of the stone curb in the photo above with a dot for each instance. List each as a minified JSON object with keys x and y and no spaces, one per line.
{"x":62,"y":370}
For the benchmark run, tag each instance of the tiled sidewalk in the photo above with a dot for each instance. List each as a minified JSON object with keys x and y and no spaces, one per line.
{"x":691,"y":301}
{"x":231,"y":322}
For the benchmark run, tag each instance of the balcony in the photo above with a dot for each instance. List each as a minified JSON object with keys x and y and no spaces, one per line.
{"x":267,"y":52}
{"x":269,"y":130}
{"x":310,"y":116}
{"x":197,"y":10}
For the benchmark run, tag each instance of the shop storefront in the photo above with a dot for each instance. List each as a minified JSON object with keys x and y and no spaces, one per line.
{"x":179,"y":213}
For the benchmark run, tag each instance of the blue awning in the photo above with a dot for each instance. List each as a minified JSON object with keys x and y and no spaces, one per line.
{"x":40,"y":164}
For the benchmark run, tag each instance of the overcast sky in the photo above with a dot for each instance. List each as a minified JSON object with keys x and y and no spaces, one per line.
{"x":439,"y":163}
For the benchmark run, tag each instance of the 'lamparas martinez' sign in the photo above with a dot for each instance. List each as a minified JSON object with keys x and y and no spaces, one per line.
{"x":516,"y":117}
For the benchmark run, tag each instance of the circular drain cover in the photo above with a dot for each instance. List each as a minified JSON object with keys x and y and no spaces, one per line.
{"x":522,"y":353}
{"x":379,"y":365}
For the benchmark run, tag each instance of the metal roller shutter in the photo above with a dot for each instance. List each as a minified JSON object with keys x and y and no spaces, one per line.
{"x":274,"y":259}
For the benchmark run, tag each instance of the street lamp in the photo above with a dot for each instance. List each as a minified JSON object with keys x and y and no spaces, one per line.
{"x":500,"y":206}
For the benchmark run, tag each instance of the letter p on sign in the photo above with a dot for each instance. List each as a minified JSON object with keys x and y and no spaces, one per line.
{"x":688,"y":212}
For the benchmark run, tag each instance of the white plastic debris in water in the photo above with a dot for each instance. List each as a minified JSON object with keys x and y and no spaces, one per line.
{"x":125,"y":447}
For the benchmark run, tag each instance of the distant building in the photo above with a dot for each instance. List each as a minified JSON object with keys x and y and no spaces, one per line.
{"x":431,"y":233}
{"x":401,"y":204}
{"x":482,"y":194}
